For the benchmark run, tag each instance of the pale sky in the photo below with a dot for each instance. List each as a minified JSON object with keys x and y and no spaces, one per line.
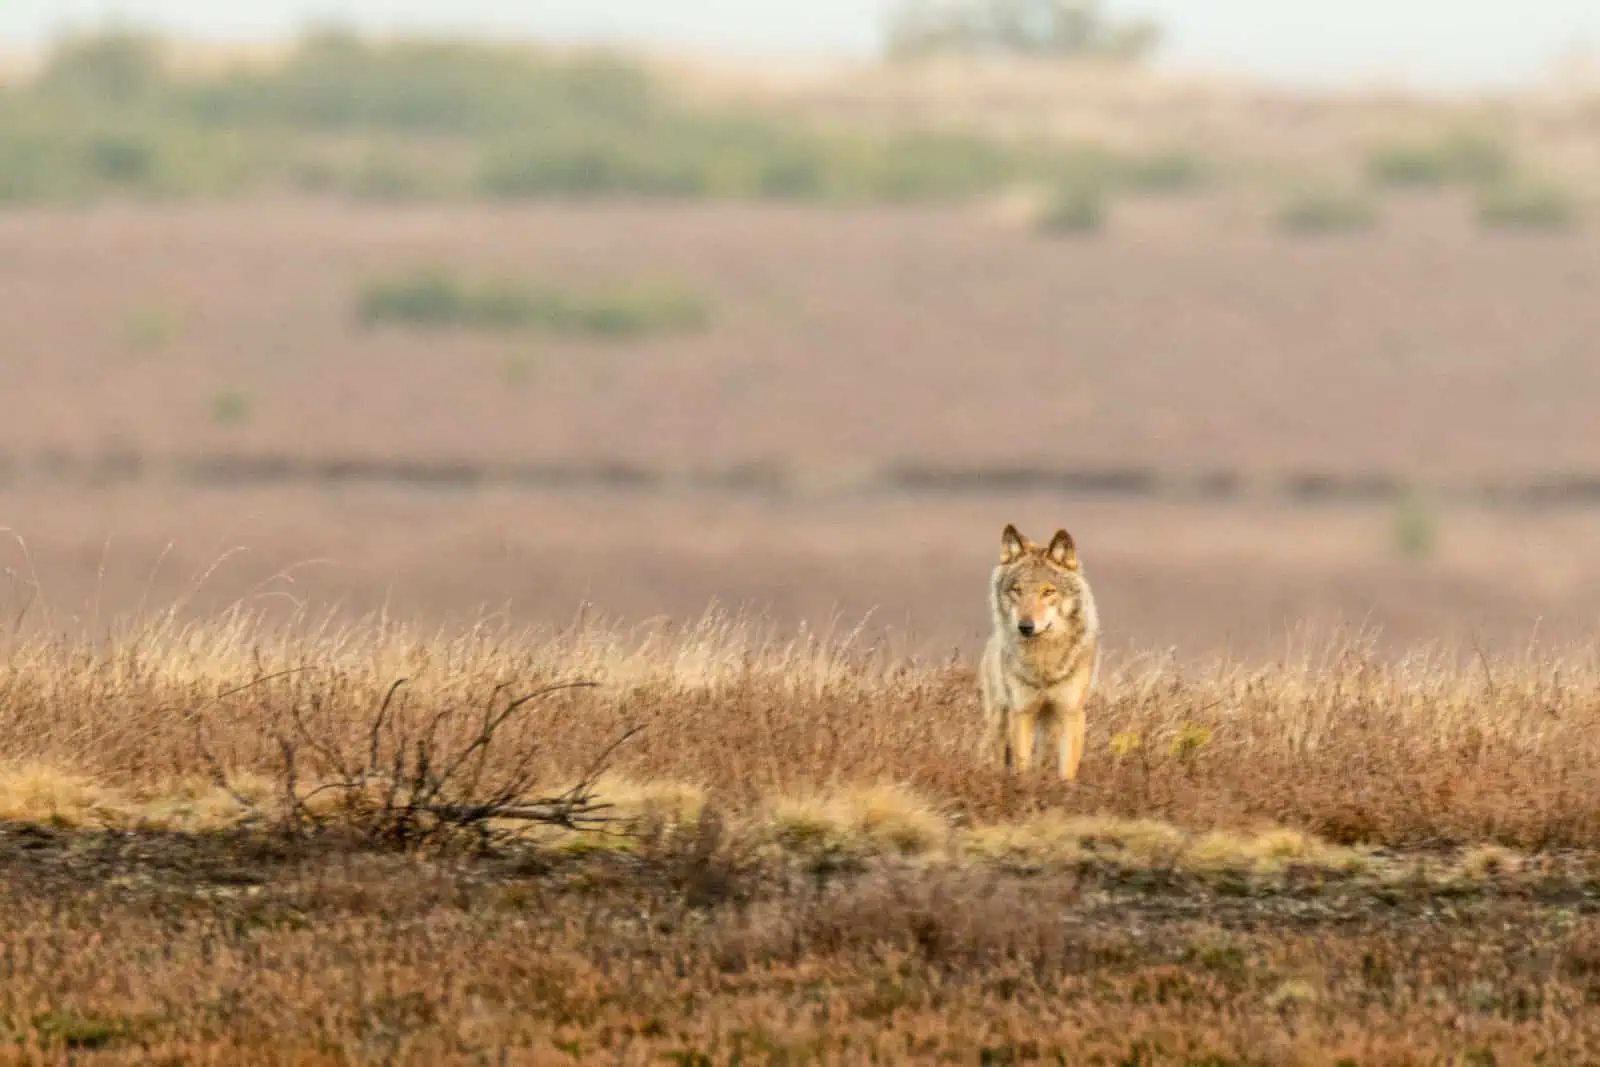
{"x":1452,"y":44}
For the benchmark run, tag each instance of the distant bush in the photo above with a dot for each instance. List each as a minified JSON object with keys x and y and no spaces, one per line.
{"x":1528,"y":204}
{"x":149,"y":328}
{"x":744,"y":158}
{"x":917,"y":167}
{"x":591,"y":167}
{"x":230,"y":408}
{"x":413,"y":119}
{"x":1171,"y":171}
{"x":1078,"y":169}
{"x":438,"y":299}
{"x":1416,"y":528}
{"x":386,"y":175}
{"x":1073,"y":210}
{"x":1459,"y":158}
{"x":1056,"y":29}
{"x":118,"y":68}
{"x":518,"y":368}
{"x":337,"y":82}
{"x":1327,"y":211}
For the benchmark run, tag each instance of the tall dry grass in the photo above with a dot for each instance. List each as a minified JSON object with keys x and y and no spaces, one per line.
{"x":1341,"y":744}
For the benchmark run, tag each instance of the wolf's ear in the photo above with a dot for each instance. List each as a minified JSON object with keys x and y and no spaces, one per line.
{"x":1012,"y":545}
{"x":1063,"y":552}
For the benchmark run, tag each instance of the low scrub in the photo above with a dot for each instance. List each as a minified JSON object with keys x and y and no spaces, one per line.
{"x":1163,"y":173}
{"x":411,"y":119}
{"x":1327,"y":211}
{"x":1528,"y":204}
{"x":1073,"y":210}
{"x":438,"y":299}
{"x":1458,"y":158}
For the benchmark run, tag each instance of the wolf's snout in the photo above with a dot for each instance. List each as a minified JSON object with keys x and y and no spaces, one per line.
{"x":1026,"y":628}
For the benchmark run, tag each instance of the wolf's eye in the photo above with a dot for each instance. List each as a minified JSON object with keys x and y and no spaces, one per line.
{"x":1048,"y":591}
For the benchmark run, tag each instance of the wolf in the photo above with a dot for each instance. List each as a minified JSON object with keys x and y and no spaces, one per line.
{"x":1044,"y":655}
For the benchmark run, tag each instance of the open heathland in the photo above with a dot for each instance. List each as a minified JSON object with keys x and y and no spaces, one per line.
{"x":797,"y":855}
{"x":401,"y":370}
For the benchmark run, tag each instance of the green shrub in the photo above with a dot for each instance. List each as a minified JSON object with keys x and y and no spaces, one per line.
{"x":518,"y":368}
{"x":59,"y":1029}
{"x":230,"y":407}
{"x":915,"y":167}
{"x":1458,"y":158}
{"x":335,"y":81}
{"x":1416,"y":528}
{"x":745,"y":158}
{"x":121,"y":158}
{"x":437,"y":299}
{"x":1173,"y":171}
{"x":1073,"y":209}
{"x":1057,"y":29}
{"x":411,"y":119}
{"x":428,"y":298}
{"x":1528,"y":204}
{"x":791,"y":174}
{"x":622,"y":311}
{"x":55,"y":152}
{"x":150,"y":328}
{"x":36,"y":167}
{"x":595,"y":169}
{"x":384,"y":175}
{"x":1327,"y":211}
{"x":117,"y":68}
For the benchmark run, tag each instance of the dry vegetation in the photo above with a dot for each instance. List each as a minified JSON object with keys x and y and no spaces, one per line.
{"x":285,"y":840}
{"x":1498,"y":753}
{"x":1334,"y":860}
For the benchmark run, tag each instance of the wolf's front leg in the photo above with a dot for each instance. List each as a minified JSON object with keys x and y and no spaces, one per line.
{"x":1024,"y":729}
{"x":1071,"y":712}
{"x":1072,"y":728}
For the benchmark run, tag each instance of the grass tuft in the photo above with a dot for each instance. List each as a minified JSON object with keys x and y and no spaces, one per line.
{"x":74,"y":1032}
{"x":36,"y":793}
{"x":1267,"y":852}
{"x":872,"y":819}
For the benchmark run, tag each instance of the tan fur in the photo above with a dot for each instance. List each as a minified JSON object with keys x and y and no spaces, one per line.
{"x":1039,"y":682}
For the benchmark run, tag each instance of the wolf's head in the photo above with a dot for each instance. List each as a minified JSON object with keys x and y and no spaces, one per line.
{"x":1040,"y":590}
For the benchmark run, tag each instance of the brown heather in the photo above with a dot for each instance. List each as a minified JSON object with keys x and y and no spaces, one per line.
{"x":1338,"y":860}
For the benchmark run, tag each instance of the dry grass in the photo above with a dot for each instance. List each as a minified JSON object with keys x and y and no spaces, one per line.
{"x":808,"y":860}
{"x":1346,"y":747}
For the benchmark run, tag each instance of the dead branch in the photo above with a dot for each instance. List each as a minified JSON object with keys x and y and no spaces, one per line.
{"x":427,"y":788}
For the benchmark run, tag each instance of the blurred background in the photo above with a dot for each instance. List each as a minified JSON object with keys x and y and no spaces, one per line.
{"x":646,"y":305}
